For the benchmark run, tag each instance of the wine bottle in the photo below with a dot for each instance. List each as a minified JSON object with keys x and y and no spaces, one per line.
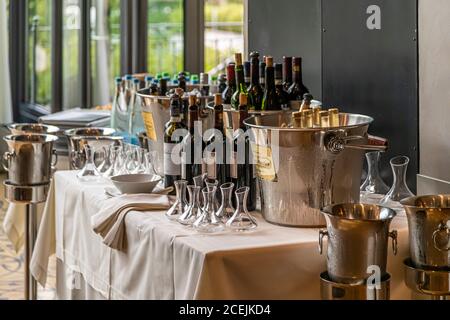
{"x":240,"y":81}
{"x":244,"y":174}
{"x":162,"y":90}
{"x":247,"y":73}
{"x":306,"y":103}
{"x":218,"y":166}
{"x":231,"y":84}
{"x":172,"y":169}
{"x":191,"y":165}
{"x":270,"y":96}
{"x":255,"y":91}
{"x":182,"y":81}
{"x":287,"y":72}
{"x":222,"y":82}
{"x":297,"y":89}
{"x":204,"y":84}
{"x":282,"y":96}
{"x":262,"y":74}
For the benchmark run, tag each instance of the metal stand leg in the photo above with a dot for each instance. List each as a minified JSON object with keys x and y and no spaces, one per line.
{"x":30,"y":238}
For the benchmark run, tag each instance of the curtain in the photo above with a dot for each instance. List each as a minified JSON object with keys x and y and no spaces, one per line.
{"x":5,"y":86}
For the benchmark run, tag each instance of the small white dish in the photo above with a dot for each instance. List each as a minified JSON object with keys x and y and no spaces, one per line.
{"x":136,"y":183}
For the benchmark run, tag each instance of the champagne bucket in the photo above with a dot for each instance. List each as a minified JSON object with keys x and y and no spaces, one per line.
{"x":357,"y":241}
{"x":29,"y":158}
{"x":24,"y":128}
{"x":156,"y":113}
{"x":303,"y":170}
{"x":96,"y":137}
{"x":429,"y":230}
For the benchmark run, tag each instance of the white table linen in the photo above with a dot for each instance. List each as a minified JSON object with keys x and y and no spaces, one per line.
{"x":165,"y":260}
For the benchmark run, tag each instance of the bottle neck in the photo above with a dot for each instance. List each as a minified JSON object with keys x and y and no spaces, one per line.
{"x":287,"y":72}
{"x":297,"y":74}
{"x":270,"y":78}
{"x":254,"y":72}
{"x":218,"y":118}
{"x":240,"y":80}
{"x":193,"y":117}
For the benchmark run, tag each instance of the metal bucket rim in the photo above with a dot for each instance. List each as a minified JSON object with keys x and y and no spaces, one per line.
{"x":328,"y":211}
{"x":48,"y":138}
{"x":73,"y":132}
{"x":91,"y":138}
{"x":49,"y":128}
{"x":368,"y":121}
{"x":411,"y":202}
{"x":141,"y":93}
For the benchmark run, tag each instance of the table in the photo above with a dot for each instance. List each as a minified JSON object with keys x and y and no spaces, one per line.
{"x":165,"y":260}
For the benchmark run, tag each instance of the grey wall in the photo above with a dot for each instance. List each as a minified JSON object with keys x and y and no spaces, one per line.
{"x":290,"y":28}
{"x":434,"y":88}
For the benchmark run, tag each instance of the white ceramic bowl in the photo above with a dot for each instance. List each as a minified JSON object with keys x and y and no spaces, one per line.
{"x":136,"y":183}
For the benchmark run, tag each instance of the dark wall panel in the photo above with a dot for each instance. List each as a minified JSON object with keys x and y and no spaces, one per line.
{"x":292,"y":28}
{"x":374,"y":72}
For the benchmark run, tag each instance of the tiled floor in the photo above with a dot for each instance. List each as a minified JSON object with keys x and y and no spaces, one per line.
{"x":11,"y":265}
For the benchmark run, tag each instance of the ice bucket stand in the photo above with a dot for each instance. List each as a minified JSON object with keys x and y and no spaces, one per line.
{"x":434,"y":283}
{"x":30,"y":196}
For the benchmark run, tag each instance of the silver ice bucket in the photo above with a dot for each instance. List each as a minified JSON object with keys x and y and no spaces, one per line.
{"x":429,"y":230}
{"x":357,"y":241}
{"x":96,"y":137}
{"x":156,"y":113}
{"x":29,"y":158}
{"x":24,"y":128}
{"x":303,"y":170}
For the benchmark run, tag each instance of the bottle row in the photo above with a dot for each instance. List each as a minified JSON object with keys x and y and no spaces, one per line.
{"x":223,"y":156}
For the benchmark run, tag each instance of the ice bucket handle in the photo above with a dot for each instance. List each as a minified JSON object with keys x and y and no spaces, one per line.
{"x":442,"y":229}
{"x":394,"y":235}
{"x":6,"y":157}
{"x":337,"y":141}
{"x":322,"y":234}
{"x":54,"y":158}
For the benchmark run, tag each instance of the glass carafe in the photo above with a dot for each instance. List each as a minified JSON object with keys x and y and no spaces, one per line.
{"x":200,"y":182}
{"x":226,"y":209}
{"x":213,"y":183}
{"x":241,"y":219}
{"x":208,"y":222}
{"x":89,"y":173}
{"x":114,"y":152}
{"x":399,"y":189}
{"x":193,"y":210}
{"x":106,"y":164}
{"x":374,"y":184}
{"x":180,"y":204}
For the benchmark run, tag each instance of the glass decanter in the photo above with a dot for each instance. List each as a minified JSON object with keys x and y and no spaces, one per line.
{"x":114,"y":152}
{"x":399,"y":189}
{"x":106,"y":163}
{"x":180,"y":204}
{"x":199,"y":181}
{"x":241,"y":219}
{"x":210,"y":184}
{"x":208,"y":222}
{"x":149,"y":158}
{"x":374,"y":184}
{"x":193,"y":210}
{"x":226,"y":209}
{"x":89,"y":173}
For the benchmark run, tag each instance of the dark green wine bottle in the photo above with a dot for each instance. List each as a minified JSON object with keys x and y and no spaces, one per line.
{"x":270,"y":101}
{"x":282,"y":96}
{"x":255,"y":91}
{"x":240,"y":81}
{"x":231,"y":84}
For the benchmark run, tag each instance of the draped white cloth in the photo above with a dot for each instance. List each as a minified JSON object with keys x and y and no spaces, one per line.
{"x":5,"y":86}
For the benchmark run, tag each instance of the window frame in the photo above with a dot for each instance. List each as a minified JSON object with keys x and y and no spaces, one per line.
{"x":133,"y":52}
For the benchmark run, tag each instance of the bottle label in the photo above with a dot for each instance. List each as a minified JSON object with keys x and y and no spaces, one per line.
{"x":296,"y":68}
{"x":262,"y":81}
{"x":278,"y":82}
{"x":233,"y":165}
{"x":149,"y":125}
{"x":211,"y":164}
{"x":247,"y":79}
{"x":172,"y":163}
{"x":265,"y":168}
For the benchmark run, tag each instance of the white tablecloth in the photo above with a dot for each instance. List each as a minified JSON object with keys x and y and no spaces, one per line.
{"x":165,"y":260}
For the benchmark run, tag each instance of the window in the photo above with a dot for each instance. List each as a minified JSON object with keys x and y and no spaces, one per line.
{"x":223,"y":33}
{"x":105,"y":49}
{"x":71,"y":53}
{"x":165,"y":36}
{"x":38,"y":75}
